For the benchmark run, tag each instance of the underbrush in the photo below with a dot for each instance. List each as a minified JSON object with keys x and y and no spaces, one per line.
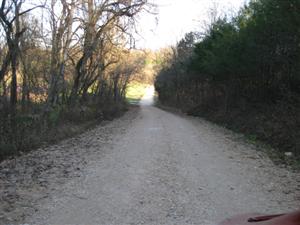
{"x":26,"y":131}
{"x":276,"y":126}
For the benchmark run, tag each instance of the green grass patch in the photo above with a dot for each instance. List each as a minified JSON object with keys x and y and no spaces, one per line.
{"x":135,"y":91}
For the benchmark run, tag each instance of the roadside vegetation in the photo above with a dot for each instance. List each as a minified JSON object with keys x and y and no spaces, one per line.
{"x":135,"y":92}
{"x":242,"y":72}
{"x":143,"y":79}
{"x":63,"y":65}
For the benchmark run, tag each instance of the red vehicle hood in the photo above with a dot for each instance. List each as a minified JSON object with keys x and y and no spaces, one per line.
{"x":248,"y":219}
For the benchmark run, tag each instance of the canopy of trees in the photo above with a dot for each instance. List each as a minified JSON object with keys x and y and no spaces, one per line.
{"x":61,"y":57}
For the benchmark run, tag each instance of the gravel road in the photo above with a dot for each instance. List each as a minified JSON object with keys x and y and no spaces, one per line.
{"x":149,"y":167}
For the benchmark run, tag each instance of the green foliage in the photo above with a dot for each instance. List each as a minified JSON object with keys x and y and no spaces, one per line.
{"x":252,"y":138}
{"x":255,"y":55}
{"x":252,"y":59}
{"x":214,"y":54}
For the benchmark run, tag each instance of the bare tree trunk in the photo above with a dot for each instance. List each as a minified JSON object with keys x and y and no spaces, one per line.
{"x":24,"y":93}
{"x":13,"y":88}
{"x":116,"y":87}
{"x":13,"y":33}
{"x":61,"y":39}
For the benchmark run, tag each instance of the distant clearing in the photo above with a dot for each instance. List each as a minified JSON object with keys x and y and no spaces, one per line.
{"x":135,"y":92}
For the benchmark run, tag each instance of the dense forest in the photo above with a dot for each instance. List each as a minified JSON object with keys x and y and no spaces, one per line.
{"x":63,"y":62}
{"x":242,"y":72}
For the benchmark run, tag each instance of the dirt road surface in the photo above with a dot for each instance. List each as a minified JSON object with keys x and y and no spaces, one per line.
{"x":150,"y":167}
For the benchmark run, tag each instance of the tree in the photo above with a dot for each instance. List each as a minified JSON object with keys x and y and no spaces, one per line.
{"x":61,"y":28}
{"x":10,"y":20}
{"x":100,"y":18}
